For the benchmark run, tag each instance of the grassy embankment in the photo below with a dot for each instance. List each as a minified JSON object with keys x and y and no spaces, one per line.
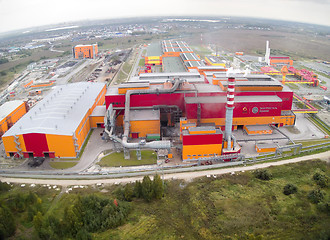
{"x":225,"y":207}
{"x":117,"y":159}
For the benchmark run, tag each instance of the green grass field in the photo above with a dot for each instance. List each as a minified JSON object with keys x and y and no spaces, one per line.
{"x":117,"y":159}
{"x":312,"y":142}
{"x":142,"y":62}
{"x":62,"y":165}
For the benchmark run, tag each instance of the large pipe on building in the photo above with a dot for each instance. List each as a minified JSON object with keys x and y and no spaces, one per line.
{"x":229,"y":111}
{"x":141,"y":144}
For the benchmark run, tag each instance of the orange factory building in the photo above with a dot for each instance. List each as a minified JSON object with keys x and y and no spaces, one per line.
{"x":85,"y":51}
{"x":59,"y":124}
{"x":10,"y":113}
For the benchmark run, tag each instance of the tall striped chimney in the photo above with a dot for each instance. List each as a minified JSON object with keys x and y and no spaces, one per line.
{"x":229,"y":111}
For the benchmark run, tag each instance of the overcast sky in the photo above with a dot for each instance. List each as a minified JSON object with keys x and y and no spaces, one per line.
{"x":18,"y":14}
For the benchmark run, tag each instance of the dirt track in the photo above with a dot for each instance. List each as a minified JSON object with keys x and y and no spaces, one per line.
{"x":186,"y":176}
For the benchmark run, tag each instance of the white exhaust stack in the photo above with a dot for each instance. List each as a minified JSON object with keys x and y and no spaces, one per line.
{"x":230,"y":110}
{"x":267,"y":55}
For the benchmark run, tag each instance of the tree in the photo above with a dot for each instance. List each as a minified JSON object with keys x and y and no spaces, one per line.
{"x":158,"y":187}
{"x":316,"y":196}
{"x":138,"y":189}
{"x":263,"y":174}
{"x":83,"y":234}
{"x":4,"y":186}
{"x":320,"y":179}
{"x":37,"y":221}
{"x":128,"y":192}
{"x":289,"y":189}
{"x":147,"y":190}
{"x":7,"y":223}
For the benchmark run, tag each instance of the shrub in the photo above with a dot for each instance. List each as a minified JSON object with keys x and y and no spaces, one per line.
{"x":4,"y":187}
{"x":262,"y":174}
{"x":289,"y":189}
{"x":158,"y":187}
{"x":147,"y":190}
{"x":320,"y":179}
{"x":128,"y":193}
{"x":316,"y":196}
{"x":7,"y":223}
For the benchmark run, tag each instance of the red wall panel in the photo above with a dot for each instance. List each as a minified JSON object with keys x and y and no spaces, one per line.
{"x":36,"y":143}
{"x":202,"y":139}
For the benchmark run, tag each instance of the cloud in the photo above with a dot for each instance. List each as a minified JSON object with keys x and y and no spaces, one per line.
{"x":16,"y":14}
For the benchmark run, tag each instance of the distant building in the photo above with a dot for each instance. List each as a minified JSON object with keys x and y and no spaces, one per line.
{"x":10,"y":113}
{"x":85,"y":51}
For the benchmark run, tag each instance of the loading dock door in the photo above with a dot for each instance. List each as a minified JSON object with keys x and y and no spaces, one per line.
{"x":135,"y":135}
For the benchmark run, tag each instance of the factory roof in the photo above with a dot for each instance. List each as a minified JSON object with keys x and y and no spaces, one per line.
{"x":61,"y":111}
{"x":134,"y":84}
{"x":154,"y":49}
{"x":250,"y":77}
{"x":165,"y":75}
{"x":184,"y":46}
{"x":8,"y":107}
{"x":173,"y":64}
{"x":238,"y":99}
{"x":242,"y":99}
{"x":207,"y":88}
{"x":175,"y":46}
{"x":254,"y":83}
{"x":85,"y":45}
{"x":202,"y":128}
{"x":189,"y":57}
{"x":211,"y":67}
{"x":214,"y":59}
{"x":144,"y":115}
{"x":193,"y":64}
{"x":99,"y":111}
{"x":112,"y":90}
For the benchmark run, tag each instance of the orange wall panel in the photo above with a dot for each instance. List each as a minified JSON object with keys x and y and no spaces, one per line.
{"x":145,"y":127}
{"x":201,"y":150}
{"x":124,"y":90}
{"x":14,"y":116}
{"x":63,"y":146}
{"x":285,"y":120}
{"x":10,"y":145}
{"x":96,"y":120}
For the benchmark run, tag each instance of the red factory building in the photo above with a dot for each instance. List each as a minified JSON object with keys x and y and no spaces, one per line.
{"x":200,"y":104}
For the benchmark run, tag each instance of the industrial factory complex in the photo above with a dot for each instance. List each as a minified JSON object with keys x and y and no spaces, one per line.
{"x":191,"y":108}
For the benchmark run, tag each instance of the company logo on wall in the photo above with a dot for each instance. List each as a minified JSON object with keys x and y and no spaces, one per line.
{"x":255,"y":110}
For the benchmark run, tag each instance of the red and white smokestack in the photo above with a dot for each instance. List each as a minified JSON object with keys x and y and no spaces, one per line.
{"x":229,"y":111}
{"x":230,"y":92}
